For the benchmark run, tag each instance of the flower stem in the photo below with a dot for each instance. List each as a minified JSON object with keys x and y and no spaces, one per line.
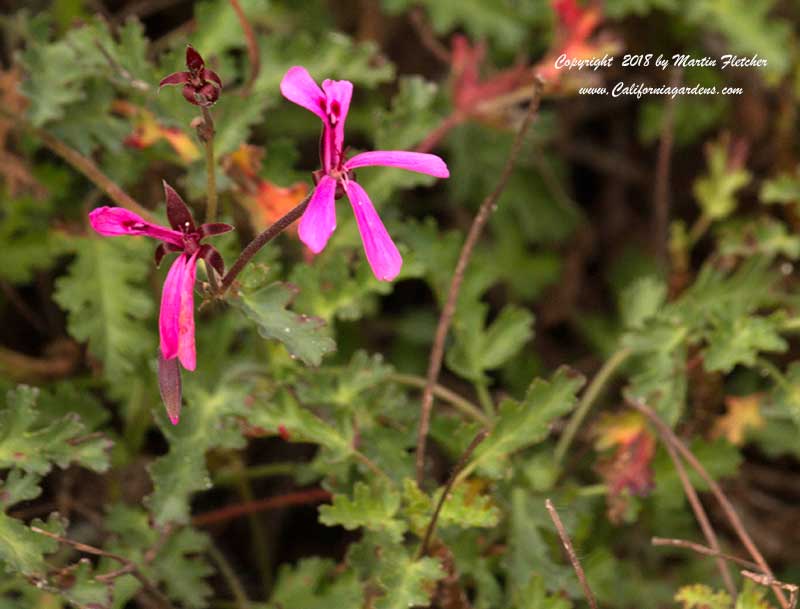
{"x":587,"y":400}
{"x":229,"y":574}
{"x":261,"y":240}
{"x":206,"y":133}
{"x":445,"y":394}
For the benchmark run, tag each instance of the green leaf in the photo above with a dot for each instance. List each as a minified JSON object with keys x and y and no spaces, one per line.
{"x":740,"y":340}
{"x":765,"y":235}
{"x":34,"y":443}
{"x":478,"y":348}
{"x":700,"y":596}
{"x":373,"y":508}
{"x":316,"y":583}
{"x":464,"y":507}
{"x":206,"y":422}
{"x":304,"y":337}
{"x":752,"y":596}
{"x":406,"y":582}
{"x":535,"y":596}
{"x":716,"y":191}
{"x":107,"y":302}
{"x":23,"y":550}
{"x":218,"y":28}
{"x":642,"y":300}
{"x":521,"y":424}
{"x":782,"y":189}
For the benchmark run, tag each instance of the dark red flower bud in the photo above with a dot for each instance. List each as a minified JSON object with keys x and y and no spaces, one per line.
{"x":201,"y":87}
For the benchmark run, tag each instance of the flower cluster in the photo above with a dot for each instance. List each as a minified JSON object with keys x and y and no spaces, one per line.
{"x":333,"y":180}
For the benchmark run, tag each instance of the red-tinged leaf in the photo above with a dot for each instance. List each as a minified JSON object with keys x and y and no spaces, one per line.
{"x":180,"y":218}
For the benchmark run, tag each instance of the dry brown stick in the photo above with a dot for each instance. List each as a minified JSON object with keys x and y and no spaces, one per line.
{"x":83,"y":164}
{"x":446,"y":317}
{"x":766,"y":580}
{"x":427,"y":35}
{"x":128,"y":567}
{"x":702,"y":517}
{"x":423,"y":548}
{"x":700,"y":549}
{"x":736,"y":522}
{"x":663,"y":165}
{"x":252,"y":47}
{"x":573,"y":558}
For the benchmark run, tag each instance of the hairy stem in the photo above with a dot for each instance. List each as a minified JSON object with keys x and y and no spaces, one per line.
{"x":228,"y":573}
{"x":573,"y":558}
{"x":314,"y":495}
{"x":252,"y":46}
{"x":260,"y":241}
{"x":444,"y":394}
{"x":446,"y":317}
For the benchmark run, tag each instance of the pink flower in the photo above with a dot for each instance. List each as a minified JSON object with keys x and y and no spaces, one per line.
{"x":331,"y":104}
{"x":200,"y":86}
{"x":176,"y":317}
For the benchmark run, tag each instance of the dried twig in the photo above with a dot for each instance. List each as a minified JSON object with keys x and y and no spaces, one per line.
{"x":446,"y":317}
{"x":668,"y":436}
{"x":768,"y":580}
{"x":427,"y":35}
{"x":252,"y":47}
{"x":702,"y":517}
{"x":573,"y":558}
{"x":83,"y":164}
{"x":700,"y":549}
{"x":423,"y":548}
{"x":128,"y":567}
{"x":314,"y":495}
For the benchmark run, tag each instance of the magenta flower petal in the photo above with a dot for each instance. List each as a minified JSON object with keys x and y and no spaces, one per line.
{"x":319,"y":219}
{"x":168,"y":317}
{"x":338,"y":94}
{"x":186,"y":346}
{"x":297,"y":86}
{"x":381,"y":251}
{"x":412,"y":161}
{"x":116,"y":221}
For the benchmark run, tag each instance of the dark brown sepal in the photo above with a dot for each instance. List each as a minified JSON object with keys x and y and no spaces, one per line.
{"x":180,"y":218}
{"x":169,"y":384}
{"x":214,"y":228}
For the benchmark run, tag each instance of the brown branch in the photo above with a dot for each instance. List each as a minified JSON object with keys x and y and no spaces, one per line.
{"x":314,"y":495}
{"x":446,"y":317}
{"x":573,"y":558}
{"x":423,"y":548}
{"x":767,"y":580}
{"x":702,"y":518}
{"x":696,"y":547}
{"x":261,"y":240}
{"x":128,"y":567}
{"x":667,"y":434}
{"x":252,"y":47}
{"x":434,"y":137}
{"x":83,"y":164}
{"x":427,"y":36}
{"x":661,"y":202}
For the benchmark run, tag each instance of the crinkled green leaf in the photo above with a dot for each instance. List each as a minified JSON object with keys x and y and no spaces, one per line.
{"x":406,"y":582}
{"x":716,"y":191}
{"x":315,"y":583}
{"x":739,"y":341}
{"x":304,"y":337}
{"x":700,"y":596}
{"x":207,"y":421}
{"x":34,"y":443}
{"x":372,"y":507}
{"x":521,"y":424}
{"x":107,"y":301}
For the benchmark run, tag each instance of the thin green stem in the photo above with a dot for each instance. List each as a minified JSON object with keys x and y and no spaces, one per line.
{"x":444,"y":394}
{"x":283,"y":468}
{"x":485,"y":398}
{"x":591,"y":394}
{"x":211,"y":182}
{"x":225,"y":568}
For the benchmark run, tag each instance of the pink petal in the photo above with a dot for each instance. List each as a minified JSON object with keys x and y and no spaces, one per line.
{"x":412,"y":161}
{"x":176,"y":78}
{"x":338,"y":94}
{"x":168,"y":317}
{"x":186,"y":347}
{"x":115,"y":221}
{"x":297,"y":86}
{"x":319,"y":219}
{"x":381,"y":251}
